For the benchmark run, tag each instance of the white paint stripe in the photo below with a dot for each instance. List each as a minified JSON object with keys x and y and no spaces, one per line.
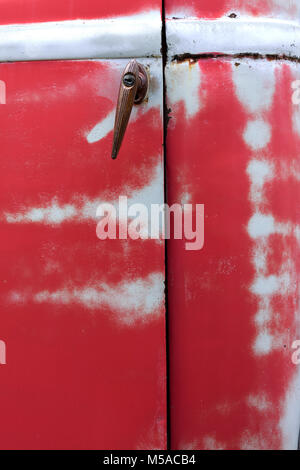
{"x":130,"y":301}
{"x":233,"y":36}
{"x":140,"y":36}
{"x":81,"y":209}
{"x":103,"y":128}
{"x":259,"y":402}
{"x":129,"y":36}
{"x":183,"y":86}
{"x":263,"y":225}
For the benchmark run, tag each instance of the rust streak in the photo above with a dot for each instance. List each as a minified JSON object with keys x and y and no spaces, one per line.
{"x":192,"y":58}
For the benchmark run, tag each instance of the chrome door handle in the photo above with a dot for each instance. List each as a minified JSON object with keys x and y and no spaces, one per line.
{"x":133,"y":90}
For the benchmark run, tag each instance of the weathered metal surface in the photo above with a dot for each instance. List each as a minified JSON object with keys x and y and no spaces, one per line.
{"x":233,"y":145}
{"x":265,"y":27}
{"x":83,"y":319}
{"x":136,"y":35}
{"x":262,"y":36}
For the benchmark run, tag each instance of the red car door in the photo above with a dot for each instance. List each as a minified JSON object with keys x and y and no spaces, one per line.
{"x":82,"y":320}
{"x":233,"y":145}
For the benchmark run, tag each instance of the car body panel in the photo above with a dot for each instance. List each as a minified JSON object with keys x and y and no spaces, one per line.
{"x":83,"y":319}
{"x":233,"y":145}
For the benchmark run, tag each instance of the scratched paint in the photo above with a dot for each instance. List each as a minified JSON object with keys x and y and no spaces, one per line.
{"x":237,"y":154}
{"x":140,"y":299}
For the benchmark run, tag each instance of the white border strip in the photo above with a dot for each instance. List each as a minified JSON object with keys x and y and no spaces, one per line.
{"x":140,"y":36}
{"x":131,"y":36}
{"x":233,"y":36}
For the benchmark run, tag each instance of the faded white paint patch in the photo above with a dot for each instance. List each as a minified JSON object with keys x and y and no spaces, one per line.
{"x":259,"y":402}
{"x":102,"y":129}
{"x":296,"y":120}
{"x":81,"y":209}
{"x":261,"y":225}
{"x":266,"y":285}
{"x":295,"y":103}
{"x":155,"y":437}
{"x":264,"y":225}
{"x":264,"y":314}
{"x":290,"y":421}
{"x":189,"y":445}
{"x":264,"y":342}
{"x":52,"y":215}
{"x":257,"y":134}
{"x":52,"y":266}
{"x":255,"y":86}
{"x":260,"y":171}
{"x":289,"y":170}
{"x":259,"y":257}
{"x":211,"y":443}
{"x":186,"y":198}
{"x":152,"y":193}
{"x":208,"y":443}
{"x":183,"y":86}
{"x":130,"y":301}
{"x":270,"y":285}
{"x":253,"y":442}
{"x":297,"y":232}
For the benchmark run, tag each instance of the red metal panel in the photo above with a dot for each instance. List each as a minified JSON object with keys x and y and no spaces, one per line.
{"x":29,"y":11}
{"x":82,"y":319}
{"x":233,"y":145}
{"x":219,"y":8}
